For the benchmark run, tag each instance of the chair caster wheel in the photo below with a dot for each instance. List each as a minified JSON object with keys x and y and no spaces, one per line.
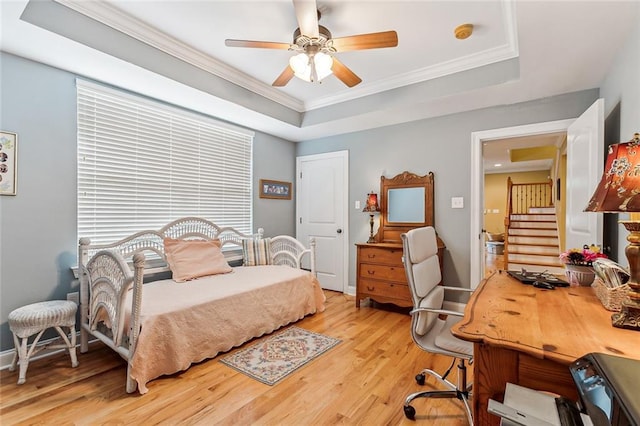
{"x":420,"y":379}
{"x":410,"y":412}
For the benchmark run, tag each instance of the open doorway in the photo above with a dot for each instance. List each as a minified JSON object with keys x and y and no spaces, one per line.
{"x":478,"y":139}
{"x":532,"y":164}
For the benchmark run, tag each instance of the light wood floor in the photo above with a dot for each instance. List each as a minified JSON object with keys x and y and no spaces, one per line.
{"x":363,"y":380}
{"x":493,"y":263}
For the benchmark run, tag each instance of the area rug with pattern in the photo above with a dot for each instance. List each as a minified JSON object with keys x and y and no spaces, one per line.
{"x":274,"y":357}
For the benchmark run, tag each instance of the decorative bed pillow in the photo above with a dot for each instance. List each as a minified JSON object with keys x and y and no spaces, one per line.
{"x":256,"y":251}
{"x":189,"y":259}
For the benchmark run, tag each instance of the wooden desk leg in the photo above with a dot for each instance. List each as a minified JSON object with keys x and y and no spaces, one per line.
{"x":492,"y":369}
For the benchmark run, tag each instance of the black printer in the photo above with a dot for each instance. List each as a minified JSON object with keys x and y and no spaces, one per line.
{"x":609,"y":388}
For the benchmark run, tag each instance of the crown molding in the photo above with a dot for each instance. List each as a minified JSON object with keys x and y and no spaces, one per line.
{"x":120,"y":21}
{"x":476,"y":60}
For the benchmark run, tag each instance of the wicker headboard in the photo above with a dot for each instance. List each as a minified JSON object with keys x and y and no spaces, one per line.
{"x":191,"y":228}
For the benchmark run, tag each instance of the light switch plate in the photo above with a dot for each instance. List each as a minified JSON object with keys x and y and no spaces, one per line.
{"x":457,"y":202}
{"x":357,"y":204}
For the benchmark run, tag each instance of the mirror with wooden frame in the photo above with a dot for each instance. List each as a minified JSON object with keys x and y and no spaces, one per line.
{"x":406,"y":202}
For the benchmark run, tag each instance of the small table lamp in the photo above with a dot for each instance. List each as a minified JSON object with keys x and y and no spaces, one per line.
{"x":619,"y":192}
{"x":371,"y":207}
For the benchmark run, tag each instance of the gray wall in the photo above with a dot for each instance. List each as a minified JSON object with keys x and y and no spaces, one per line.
{"x":621,"y":92}
{"x":38,"y":234}
{"x":441,"y":145}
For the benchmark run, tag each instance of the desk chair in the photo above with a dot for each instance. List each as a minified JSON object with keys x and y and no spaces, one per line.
{"x":430,"y":332}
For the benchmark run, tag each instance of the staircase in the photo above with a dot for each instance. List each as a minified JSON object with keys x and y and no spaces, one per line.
{"x":532,"y":241}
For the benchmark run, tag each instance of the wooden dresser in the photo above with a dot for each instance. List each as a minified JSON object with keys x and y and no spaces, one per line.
{"x":380,"y":274}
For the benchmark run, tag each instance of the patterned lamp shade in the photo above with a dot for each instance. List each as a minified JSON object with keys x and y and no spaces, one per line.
{"x":372,"y":203}
{"x":619,"y":189}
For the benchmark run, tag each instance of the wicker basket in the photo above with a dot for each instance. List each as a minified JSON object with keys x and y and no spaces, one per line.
{"x":493,"y":237}
{"x":611,"y":298}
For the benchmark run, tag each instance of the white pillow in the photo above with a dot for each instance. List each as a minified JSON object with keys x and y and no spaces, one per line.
{"x":189,"y":259}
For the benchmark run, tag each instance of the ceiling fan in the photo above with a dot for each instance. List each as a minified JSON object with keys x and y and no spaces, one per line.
{"x":315,"y":48}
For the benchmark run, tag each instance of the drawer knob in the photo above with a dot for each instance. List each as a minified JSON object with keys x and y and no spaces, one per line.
{"x":370,"y":272}
{"x":370,"y":288}
{"x":371,"y":256}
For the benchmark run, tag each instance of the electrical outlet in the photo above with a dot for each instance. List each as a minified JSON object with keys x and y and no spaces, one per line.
{"x":74,"y":297}
{"x":357,"y":204}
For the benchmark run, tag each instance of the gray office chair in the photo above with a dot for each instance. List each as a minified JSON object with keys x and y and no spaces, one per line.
{"x":428,"y":330}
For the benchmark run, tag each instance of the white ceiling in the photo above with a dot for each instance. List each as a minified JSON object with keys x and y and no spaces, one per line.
{"x":520,"y":50}
{"x":496,"y":154}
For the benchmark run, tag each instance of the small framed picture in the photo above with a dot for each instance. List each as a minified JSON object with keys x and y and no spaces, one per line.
{"x":8,"y":162}
{"x":275,"y":189}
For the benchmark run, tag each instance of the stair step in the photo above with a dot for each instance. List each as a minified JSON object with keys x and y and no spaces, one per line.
{"x":528,"y":249}
{"x":513,"y":266}
{"x":534,"y":232}
{"x":537,"y":259}
{"x":542,"y":210}
{"x":531,"y":240}
{"x":534,"y":217}
{"x":533,"y":225}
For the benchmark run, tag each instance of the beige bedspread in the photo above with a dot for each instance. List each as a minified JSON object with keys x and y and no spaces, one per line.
{"x":184,"y":323}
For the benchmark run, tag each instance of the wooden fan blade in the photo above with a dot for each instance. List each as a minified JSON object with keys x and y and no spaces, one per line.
{"x":307,"y":16}
{"x":284,"y":78}
{"x":257,"y":44}
{"x":344,"y":74}
{"x":366,"y":41}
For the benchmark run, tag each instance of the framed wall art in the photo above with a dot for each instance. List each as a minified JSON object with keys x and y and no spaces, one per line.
{"x":275,"y":189}
{"x":8,"y":162}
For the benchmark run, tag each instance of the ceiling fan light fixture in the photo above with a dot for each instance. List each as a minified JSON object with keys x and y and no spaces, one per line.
{"x":302,"y":64}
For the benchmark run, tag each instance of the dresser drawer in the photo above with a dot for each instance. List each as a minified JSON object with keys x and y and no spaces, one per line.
{"x":381,"y":255}
{"x":374,"y":288}
{"x":382,"y":272}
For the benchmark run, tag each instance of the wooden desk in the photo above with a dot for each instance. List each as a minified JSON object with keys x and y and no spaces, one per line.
{"x":529,"y":336}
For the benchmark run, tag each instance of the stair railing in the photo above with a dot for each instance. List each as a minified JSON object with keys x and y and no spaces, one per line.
{"x":520,"y":198}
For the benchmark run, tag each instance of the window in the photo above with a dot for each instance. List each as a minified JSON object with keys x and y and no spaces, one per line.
{"x":142,"y":164}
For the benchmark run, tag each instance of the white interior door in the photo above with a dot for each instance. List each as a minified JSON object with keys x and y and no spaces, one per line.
{"x":321,"y":206}
{"x":585,"y":156}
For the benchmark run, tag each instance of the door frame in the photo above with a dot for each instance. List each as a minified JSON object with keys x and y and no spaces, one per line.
{"x":477,"y":182}
{"x":344,"y":156}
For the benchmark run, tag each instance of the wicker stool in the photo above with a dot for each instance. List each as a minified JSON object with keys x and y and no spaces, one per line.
{"x":36,"y":318}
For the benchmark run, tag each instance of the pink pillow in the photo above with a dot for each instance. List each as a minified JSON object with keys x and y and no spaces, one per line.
{"x":189,"y":259}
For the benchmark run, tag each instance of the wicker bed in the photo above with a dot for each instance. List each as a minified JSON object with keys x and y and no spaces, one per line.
{"x":163,"y":326}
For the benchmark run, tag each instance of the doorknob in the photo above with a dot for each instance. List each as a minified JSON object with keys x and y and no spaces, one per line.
{"x":339,"y":231}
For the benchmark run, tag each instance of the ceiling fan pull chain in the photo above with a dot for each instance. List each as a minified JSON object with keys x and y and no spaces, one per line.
{"x":314,"y":73}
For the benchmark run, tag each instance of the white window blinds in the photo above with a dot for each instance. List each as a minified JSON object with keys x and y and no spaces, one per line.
{"x":142,"y":164}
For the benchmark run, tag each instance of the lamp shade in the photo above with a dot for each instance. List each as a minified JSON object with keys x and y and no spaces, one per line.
{"x":619,"y":188}
{"x":372,"y":203}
